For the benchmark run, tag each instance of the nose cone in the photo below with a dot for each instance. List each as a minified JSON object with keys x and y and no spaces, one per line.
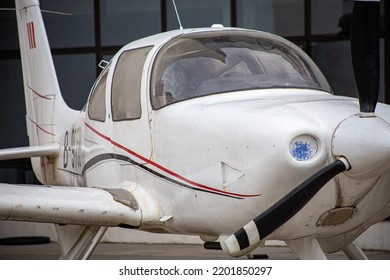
{"x":365,"y":143}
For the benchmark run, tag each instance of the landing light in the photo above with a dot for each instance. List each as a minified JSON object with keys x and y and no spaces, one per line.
{"x":303,"y":147}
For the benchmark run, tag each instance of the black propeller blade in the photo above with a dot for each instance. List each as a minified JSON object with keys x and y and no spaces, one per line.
{"x":365,"y":52}
{"x":285,"y":208}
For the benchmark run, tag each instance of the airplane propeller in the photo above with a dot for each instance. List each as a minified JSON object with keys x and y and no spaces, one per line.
{"x":248,"y":237}
{"x":365,"y":59}
{"x":365,"y":52}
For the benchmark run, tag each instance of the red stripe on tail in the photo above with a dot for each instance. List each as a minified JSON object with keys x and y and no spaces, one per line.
{"x":31,"y":35}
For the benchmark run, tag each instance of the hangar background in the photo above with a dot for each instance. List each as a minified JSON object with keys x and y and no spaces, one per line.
{"x":88,"y":31}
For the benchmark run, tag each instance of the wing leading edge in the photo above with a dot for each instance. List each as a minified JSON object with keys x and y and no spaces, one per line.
{"x":68,"y":205}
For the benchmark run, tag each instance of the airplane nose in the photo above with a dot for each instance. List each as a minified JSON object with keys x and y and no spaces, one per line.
{"x":365,"y":143}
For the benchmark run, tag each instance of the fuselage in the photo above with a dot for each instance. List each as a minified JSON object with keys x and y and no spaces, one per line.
{"x":207,"y":165}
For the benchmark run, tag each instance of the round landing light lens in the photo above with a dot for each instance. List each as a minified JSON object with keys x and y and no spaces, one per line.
{"x":303,"y":147}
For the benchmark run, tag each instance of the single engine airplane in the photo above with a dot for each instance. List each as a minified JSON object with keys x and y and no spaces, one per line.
{"x":229,"y":134}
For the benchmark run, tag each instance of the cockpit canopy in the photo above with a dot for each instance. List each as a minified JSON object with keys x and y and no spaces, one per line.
{"x":204,"y":63}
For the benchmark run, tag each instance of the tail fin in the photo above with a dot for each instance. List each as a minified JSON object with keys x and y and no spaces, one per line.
{"x":47,"y":115}
{"x":45,"y":107}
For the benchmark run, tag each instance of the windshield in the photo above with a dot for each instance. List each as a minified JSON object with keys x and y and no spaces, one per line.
{"x":200,"y":64}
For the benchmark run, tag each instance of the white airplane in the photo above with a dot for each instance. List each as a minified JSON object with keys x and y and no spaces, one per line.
{"x":229,"y":134}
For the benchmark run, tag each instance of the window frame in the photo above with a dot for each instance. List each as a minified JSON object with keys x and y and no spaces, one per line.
{"x":323,"y":84}
{"x":138,"y":87}
{"x":103,"y":75}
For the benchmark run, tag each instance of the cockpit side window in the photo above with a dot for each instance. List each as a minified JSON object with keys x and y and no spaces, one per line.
{"x":204,"y":63}
{"x":126,"y":84}
{"x":97,"y":100}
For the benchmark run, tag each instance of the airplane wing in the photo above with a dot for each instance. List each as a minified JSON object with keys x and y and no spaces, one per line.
{"x":69,"y":205}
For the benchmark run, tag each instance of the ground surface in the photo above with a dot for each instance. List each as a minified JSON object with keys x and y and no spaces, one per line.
{"x":119,"y":251}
